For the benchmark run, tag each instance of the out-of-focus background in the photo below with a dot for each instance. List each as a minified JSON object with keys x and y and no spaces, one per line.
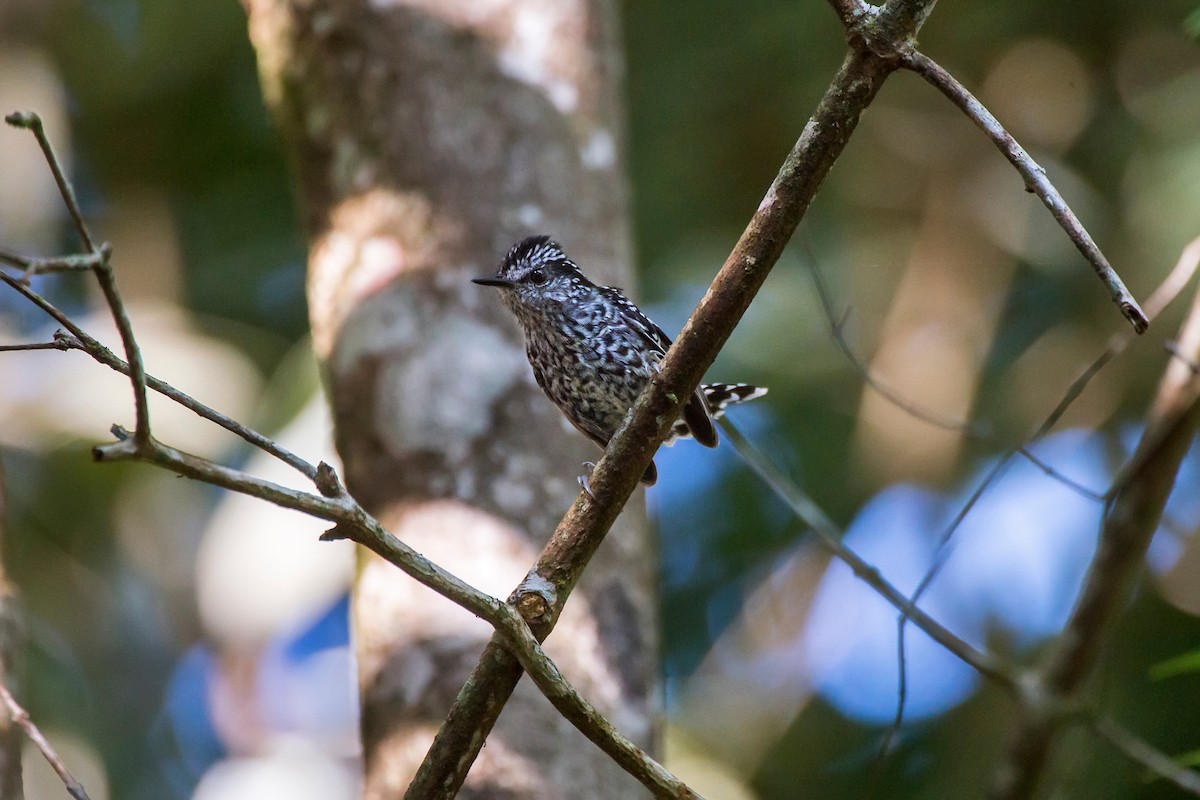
{"x":183,"y":642}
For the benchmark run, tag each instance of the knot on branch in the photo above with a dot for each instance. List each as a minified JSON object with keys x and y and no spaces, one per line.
{"x":535,"y":599}
{"x":337,"y":533}
{"x":120,"y":450}
{"x":327,"y":481}
{"x":887,"y":32}
{"x":23,"y":119}
{"x":65,"y":341}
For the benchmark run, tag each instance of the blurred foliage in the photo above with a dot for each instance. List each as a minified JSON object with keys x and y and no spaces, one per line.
{"x":164,"y":112}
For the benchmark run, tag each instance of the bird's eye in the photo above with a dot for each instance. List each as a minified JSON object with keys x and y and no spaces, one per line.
{"x":538,"y":276}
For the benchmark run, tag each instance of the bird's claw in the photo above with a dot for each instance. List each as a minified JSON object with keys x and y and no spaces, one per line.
{"x":583,"y":479}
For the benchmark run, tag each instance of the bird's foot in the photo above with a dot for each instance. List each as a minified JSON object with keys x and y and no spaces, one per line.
{"x":583,"y":479}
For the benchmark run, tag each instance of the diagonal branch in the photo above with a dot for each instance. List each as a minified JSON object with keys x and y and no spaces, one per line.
{"x":581,"y":530}
{"x":1136,"y":502}
{"x":1035,"y":181}
{"x":21,"y":717}
{"x":1142,"y":753}
{"x":354,"y":523}
{"x":991,"y":666}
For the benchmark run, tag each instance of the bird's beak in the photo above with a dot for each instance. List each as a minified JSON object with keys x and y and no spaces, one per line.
{"x":498,"y":282}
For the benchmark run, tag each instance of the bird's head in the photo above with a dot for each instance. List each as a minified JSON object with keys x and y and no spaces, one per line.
{"x":536,"y":272}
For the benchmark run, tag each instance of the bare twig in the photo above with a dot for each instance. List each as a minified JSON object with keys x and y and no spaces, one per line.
{"x":133,"y":353}
{"x":830,"y":535}
{"x":33,"y":123}
{"x":354,"y":523}
{"x":57,"y":344}
{"x":1136,"y":503}
{"x":79,"y":339}
{"x":1140,"y":752}
{"x":102,"y":269}
{"x":1179,"y":276}
{"x":837,"y":329}
{"x":31,"y":266}
{"x":1035,"y":181}
{"x":21,"y":717}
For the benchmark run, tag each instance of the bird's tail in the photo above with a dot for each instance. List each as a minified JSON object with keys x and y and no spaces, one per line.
{"x":719,"y":396}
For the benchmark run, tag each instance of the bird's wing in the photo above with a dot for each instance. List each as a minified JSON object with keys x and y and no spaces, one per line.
{"x":695,"y":411}
{"x":632,"y":316}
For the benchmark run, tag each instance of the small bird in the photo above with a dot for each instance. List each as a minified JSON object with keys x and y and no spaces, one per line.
{"x":592,"y":350}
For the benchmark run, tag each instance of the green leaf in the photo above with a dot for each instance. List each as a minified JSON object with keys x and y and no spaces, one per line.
{"x":1179,"y":665}
{"x":1191,"y":24}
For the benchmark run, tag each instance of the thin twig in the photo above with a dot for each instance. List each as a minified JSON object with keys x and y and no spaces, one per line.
{"x":1134,"y":510}
{"x":351,"y":521}
{"x":354,"y":523}
{"x":21,"y":717}
{"x":1035,"y":181}
{"x":837,"y":328}
{"x":31,"y":266}
{"x":57,"y":344}
{"x":79,"y":339}
{"x":33,"y":123}
{"x":133,"y":353}
{"x":102,"y":270}
{"x":1166,"y":292}
{"x":999,"y":670}
{"x":1140,"y":752}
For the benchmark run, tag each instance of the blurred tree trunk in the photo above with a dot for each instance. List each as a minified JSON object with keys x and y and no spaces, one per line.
{"x":427,"y":136}
{"x":11,"y":784}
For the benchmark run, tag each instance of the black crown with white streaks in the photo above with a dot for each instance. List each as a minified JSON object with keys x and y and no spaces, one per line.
{"x":592,"y":350}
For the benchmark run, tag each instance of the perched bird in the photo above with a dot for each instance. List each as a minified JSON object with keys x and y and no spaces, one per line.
{"x":592,"y":350}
